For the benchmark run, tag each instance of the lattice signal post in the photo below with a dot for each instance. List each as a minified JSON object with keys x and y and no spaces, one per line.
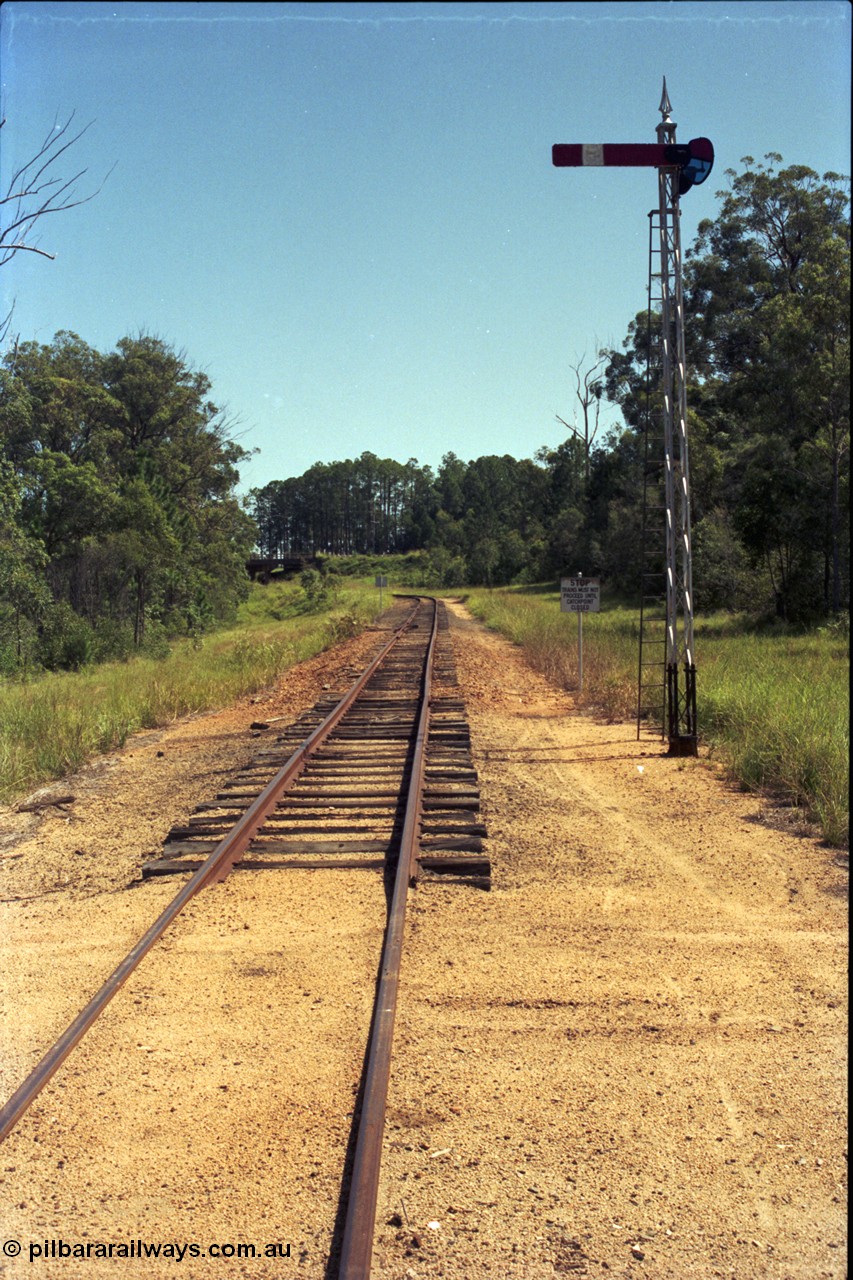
{"x":680,"y":167}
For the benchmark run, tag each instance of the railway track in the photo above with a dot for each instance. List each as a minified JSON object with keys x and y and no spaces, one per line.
{"x":345,"y":808}
{"x":379,"y":777}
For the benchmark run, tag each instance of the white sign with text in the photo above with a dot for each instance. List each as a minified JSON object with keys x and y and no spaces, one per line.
{"x":580,"y":595}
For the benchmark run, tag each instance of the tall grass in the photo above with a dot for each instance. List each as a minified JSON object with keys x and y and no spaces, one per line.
{"x":532,"y":619}
{"x":778,"y":709}
{"x":51,"y":725}
{"x":774,"y":707}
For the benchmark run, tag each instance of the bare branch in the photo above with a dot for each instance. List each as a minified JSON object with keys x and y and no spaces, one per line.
{"x":588,"y":389}
{"x":6,"y":325}
{"x":54,"y":135}
{"x":56,"y":154}
{"x":568,"y":425}
{"x":32,"y":194}
{"x":48,"y":206}
{"x":9,"y":251}
{"x":19,"y":195}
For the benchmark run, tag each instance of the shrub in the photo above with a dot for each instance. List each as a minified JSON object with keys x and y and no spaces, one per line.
{"x":67,"y":641}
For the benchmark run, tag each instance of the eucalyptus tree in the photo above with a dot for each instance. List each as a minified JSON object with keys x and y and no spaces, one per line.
{"x":24,"y":597}
{"x":768,"y":296}
{"x":125,"y":475}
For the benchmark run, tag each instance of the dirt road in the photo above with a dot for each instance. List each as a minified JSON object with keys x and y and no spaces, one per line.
{"x":627,"y":1059}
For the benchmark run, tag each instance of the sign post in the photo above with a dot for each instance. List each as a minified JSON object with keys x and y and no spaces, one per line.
{"x":580,"y":649}
{"x":580,"y":595}
{"x":380,"y":581}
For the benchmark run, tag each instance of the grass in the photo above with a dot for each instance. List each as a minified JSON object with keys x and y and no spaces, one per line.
{"x":52,"y":724}
{"x":772,"y":706}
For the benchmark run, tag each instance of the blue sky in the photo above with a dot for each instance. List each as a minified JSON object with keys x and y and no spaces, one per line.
{"x":346,"y":214}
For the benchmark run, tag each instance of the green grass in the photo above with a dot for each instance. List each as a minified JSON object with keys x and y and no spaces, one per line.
{"x":52,"y":724}
{"x":773,"y":706}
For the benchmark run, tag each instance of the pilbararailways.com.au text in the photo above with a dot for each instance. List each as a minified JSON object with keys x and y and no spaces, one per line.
{"x":58,"y":1249}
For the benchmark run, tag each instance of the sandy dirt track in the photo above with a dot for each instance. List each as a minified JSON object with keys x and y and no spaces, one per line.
{"x":627,"y":1059}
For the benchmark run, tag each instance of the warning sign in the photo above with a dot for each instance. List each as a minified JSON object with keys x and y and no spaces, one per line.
{"x":580,"y":595}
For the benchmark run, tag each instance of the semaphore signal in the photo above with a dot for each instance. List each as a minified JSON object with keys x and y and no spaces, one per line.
{"x":680,"y":167}
{"x":693,"y":159}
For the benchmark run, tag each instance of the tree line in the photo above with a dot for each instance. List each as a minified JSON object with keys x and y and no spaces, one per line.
{"x":342,"y":508}
{"x":767,"y":300}
{"x":120,"y":524}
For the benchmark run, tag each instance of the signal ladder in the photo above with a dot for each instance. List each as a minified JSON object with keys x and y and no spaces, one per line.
{"x":667,"y":492}
{"x":651,"y":681}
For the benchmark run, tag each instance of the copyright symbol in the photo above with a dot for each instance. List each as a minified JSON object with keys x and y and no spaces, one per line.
{"x":11,"y":1248}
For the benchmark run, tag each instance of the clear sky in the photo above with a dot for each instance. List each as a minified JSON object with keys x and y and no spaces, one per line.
{"x":346,"y":214}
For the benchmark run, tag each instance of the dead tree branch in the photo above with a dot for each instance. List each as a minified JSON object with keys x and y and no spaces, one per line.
{"x":33,"y":192}
{"x":588,"y":390}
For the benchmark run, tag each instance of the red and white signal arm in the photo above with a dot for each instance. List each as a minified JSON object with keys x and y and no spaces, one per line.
{"x":693,"y":159}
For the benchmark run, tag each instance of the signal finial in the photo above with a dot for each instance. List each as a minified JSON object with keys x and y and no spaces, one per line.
{"x":665,"y":107}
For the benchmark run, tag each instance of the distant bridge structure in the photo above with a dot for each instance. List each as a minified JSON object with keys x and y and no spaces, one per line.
{"x":262,"y":568}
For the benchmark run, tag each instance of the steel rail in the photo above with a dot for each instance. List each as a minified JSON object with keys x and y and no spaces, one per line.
{"x":357,"y":1243}
{"x":215,"y":868}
